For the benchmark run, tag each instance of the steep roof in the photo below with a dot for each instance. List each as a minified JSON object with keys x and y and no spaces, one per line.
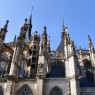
{"x":60,"y":48}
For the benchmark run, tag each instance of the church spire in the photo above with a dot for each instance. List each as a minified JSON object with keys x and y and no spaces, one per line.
{"x":63,"y":26}
{"x":64,"y":30}
{"x":29,"y":25}
{"x":30,"y":20}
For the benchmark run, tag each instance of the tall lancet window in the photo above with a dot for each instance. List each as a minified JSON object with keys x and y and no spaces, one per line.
{"x":25,"y":90}
{"x":1,"y":91}
{"x":3,"y":68}
{"x":56,"y":91}
{"x":22,"y":69}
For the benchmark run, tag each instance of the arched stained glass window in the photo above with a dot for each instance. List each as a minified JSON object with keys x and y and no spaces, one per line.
{"x":1,"y":91}
{"x":56,"y":91}
{"x":25,"y":90}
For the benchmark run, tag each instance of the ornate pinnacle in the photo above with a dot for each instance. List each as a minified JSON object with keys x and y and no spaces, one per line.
{"x":89,"y":40}
{"x":6,"y":25}
{"x":44,"y":31}
{"x":44,"y":28}
{"x":26,"y":21}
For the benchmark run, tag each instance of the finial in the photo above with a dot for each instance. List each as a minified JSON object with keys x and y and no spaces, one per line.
{"x":89,"y":39}
{"x":25,"y":20}
{"x":66,"y":29}
{"x":44,"y":31}
{"x":36,"y":32}
{"x":44,"y":27}
{"x":6,"y":25}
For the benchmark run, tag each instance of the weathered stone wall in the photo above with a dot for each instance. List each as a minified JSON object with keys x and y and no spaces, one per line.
{"x":3,"y":86}
{"x":61,"y":83}
{"x":31,"y":83}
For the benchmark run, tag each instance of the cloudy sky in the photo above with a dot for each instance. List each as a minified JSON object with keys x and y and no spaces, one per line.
{"x":78,"y":15}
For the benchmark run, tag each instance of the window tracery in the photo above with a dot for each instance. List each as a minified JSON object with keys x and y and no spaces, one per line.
{"x":25,"y":90}
{"x":56,"y":91}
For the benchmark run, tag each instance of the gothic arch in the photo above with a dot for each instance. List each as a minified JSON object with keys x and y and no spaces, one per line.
{"x":24,"y":90}
{"x":7,"y":49}
{"x":56,"y":91}
{"x":1,"y":91}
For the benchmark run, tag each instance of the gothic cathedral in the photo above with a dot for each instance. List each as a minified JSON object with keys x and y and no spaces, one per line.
{"x":28,"y":66}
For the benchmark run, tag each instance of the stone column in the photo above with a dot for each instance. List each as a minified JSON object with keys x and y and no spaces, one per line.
{"x":39,"y":86}
{"x":10,"y":88}
{"x":72,"y":76}
{"x":73,"y":71}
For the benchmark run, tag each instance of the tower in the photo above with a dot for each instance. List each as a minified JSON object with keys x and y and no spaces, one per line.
{"x":29,"y":29}
{"x":73,"y":70}
{"x":42,"y":62}
{"x":34,"y":48}
{"x":14,"y":73}
{"x":71,"y":62}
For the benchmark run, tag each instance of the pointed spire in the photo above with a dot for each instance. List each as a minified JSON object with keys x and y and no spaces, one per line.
{"x":30,"y":24}
{"x":63,"y":26}
{"x":30,"y":19}
{"x":64,"y":30}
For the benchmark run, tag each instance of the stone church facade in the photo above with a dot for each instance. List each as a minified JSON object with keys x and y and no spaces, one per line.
{"x":28,"y":66}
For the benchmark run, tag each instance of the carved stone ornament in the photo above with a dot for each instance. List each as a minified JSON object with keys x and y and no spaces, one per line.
{"x":19,"y":41}
{"x":40,"y":68}
{"x":2,"y":34}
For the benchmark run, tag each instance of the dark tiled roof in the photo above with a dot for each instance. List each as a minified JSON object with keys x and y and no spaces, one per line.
{"x":60,"y":48}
